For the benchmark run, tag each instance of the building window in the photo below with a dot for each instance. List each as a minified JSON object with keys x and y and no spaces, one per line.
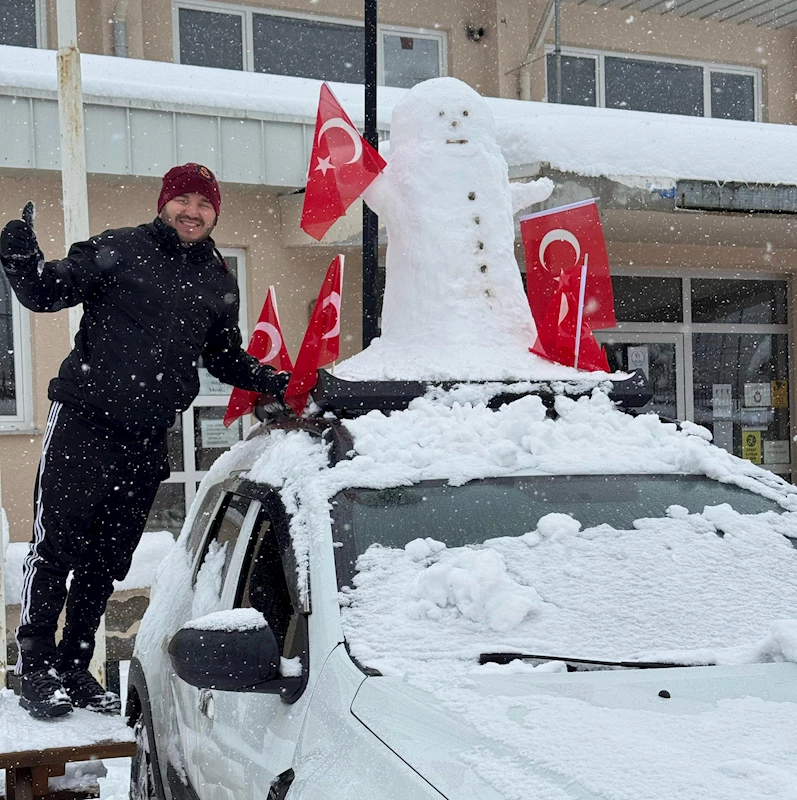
{"x":19,"y":22}
{"x":239,"y":37}
{"x":211,"y":39}
{"x":716,"y":351}
{"x":198,"y":436}
{"x":307,"y":48}
{"x":656,"y":84}
{"x":15,"y":400}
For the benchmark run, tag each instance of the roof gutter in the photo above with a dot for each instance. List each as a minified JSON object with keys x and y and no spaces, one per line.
{"x":537,"y":41}
{"x":119,"y":28}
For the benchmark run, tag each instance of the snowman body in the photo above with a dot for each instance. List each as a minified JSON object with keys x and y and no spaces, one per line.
{"x":454,"y":304}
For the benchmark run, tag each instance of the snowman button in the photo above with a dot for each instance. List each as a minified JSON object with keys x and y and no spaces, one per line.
{"x":471,"y":195}
{"x":483,"y":268}
{"x":477,"y":220}
{"x":481,"y":245}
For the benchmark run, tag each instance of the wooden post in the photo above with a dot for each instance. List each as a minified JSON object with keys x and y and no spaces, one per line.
{"x":74,"y":186}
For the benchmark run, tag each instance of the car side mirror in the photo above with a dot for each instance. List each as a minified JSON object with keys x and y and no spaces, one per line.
{"x":232,"y":651}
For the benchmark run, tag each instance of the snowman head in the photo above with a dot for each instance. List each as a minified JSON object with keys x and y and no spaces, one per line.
{"x":445,"y":114}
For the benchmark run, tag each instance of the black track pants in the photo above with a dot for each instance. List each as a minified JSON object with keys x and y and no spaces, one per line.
{"x":93,"y":493}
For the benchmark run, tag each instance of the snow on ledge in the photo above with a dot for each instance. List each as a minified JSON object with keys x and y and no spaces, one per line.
{"x":19,"y":732}
{"x":634,"y":147}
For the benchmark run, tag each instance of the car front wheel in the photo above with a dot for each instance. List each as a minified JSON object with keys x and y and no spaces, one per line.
{"x":142,"y":781}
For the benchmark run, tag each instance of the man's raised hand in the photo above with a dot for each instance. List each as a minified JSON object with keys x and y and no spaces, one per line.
{"x":18,"y":243}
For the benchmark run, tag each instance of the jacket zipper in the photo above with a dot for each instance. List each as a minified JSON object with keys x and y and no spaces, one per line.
{"x":175,"y":306}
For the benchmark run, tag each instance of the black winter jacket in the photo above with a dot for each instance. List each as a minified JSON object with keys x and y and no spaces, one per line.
{"x":151,"y":307}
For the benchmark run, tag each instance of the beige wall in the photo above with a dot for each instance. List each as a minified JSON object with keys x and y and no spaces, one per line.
{"x":249,"y":220}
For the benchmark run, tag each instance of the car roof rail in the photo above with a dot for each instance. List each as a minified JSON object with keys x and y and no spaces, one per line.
{"x":328,"y":428}
{"x":351,"y":398}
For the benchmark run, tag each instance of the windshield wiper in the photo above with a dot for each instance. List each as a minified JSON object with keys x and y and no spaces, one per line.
{"x":573,"y":664}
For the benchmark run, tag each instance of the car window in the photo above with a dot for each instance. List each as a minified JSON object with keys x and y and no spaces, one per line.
{"x":485,"y":509}
{"x":202,"y":519}
{"x":225,"y":530}
{"x":264,"y":587}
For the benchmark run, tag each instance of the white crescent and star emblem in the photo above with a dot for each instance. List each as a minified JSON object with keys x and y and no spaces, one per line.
{"x":325,"y":164}
{"x":559,"y":235}
{"x":333,"y":300}
{"x":275,"y":341}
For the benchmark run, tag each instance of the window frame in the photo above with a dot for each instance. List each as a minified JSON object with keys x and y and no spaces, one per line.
{"x":248,"y":45}
{"x":23,"y":370}
{"x":687,"y":328}
{"x":708,"y":67}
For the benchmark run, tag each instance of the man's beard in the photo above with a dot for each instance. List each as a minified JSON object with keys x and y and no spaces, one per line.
{"x":171,"y":222}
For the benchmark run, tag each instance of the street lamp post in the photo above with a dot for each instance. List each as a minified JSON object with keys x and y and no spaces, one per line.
{"x":370,"y":220}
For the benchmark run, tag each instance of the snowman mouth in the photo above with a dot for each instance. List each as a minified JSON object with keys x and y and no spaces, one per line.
{"x":456,"y":141}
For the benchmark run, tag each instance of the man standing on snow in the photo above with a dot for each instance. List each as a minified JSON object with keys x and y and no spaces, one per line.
{"x":155,"y":298}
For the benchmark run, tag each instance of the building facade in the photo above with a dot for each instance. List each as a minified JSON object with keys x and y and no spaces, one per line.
{"x":703,"y":278}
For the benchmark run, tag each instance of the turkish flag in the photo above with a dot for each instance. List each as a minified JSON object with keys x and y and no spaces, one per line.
{"x":321,"y":343}
{"x":342,"y":166}
{"x":558,"y":240}
{"x":563,"y":334}
{"x":268,"y":347}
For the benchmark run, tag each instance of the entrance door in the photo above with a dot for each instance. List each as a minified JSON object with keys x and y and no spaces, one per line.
{"x":660,"y":356}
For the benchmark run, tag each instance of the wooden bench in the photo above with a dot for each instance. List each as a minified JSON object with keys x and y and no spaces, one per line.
{"x":28,"y":772}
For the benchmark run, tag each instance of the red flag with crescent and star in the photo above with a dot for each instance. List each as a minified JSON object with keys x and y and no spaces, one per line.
{"x":321,"y":343}
{"x":268,"y":347}
{"x":568,"y":283}
{"x":563,"y":335}
{"x":342,"y":166}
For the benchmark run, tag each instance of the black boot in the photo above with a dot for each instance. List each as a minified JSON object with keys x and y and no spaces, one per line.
{"x":42,"y":694}
{"x":86,"y":692}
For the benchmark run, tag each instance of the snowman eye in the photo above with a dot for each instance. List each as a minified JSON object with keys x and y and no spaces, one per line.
{"x":464,"y":113}
{"x":442,"y":113}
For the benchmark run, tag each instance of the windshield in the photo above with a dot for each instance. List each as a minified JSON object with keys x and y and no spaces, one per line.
{"x":481,"y":510}
{"x":595,"y":567}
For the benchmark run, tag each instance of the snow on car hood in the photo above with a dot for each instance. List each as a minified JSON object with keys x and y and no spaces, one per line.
{"x":723,"y":732}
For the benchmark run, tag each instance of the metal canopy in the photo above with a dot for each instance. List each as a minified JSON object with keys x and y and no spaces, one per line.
{"x":759,"y":13}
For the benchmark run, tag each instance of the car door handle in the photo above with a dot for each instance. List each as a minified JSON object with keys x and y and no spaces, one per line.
{"x":206,"y":704}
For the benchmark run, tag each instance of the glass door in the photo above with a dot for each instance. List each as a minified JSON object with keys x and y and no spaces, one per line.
{"x":660,"y":356}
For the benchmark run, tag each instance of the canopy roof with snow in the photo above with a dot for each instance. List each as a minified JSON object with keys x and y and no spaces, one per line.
{"x":636,"y":147}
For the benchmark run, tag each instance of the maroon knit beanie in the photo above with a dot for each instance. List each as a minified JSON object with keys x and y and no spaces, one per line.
{"x":189,"y":178}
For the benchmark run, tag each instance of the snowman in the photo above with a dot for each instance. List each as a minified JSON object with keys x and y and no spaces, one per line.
{"x":454,"y":305}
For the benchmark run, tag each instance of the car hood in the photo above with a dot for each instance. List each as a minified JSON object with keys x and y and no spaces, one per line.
{"x":719,"y":732}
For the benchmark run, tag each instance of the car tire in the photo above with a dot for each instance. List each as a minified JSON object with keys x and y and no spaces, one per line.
{"x":142,"y":778}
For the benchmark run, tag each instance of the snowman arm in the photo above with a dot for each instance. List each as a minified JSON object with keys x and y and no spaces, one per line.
{"x":376,"y":194}
{"x":526,"y":194}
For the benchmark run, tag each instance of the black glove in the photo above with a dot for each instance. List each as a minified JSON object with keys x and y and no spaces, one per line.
{"x":274,"y":383}
{"x":18,"y":246}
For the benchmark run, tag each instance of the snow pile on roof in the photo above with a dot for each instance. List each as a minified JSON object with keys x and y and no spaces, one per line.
{"x":442,"y":438}
{"x":632,"y":146}
{"x":151,"y":551}
{"x":640,"y":148}
{"x":670,"y":584}
{"x":438,"y":437}
{"x":19,"y":732}
{"x":176,"y":86}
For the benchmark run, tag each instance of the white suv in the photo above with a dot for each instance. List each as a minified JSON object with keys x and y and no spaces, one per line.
{"x":484,"y":592}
